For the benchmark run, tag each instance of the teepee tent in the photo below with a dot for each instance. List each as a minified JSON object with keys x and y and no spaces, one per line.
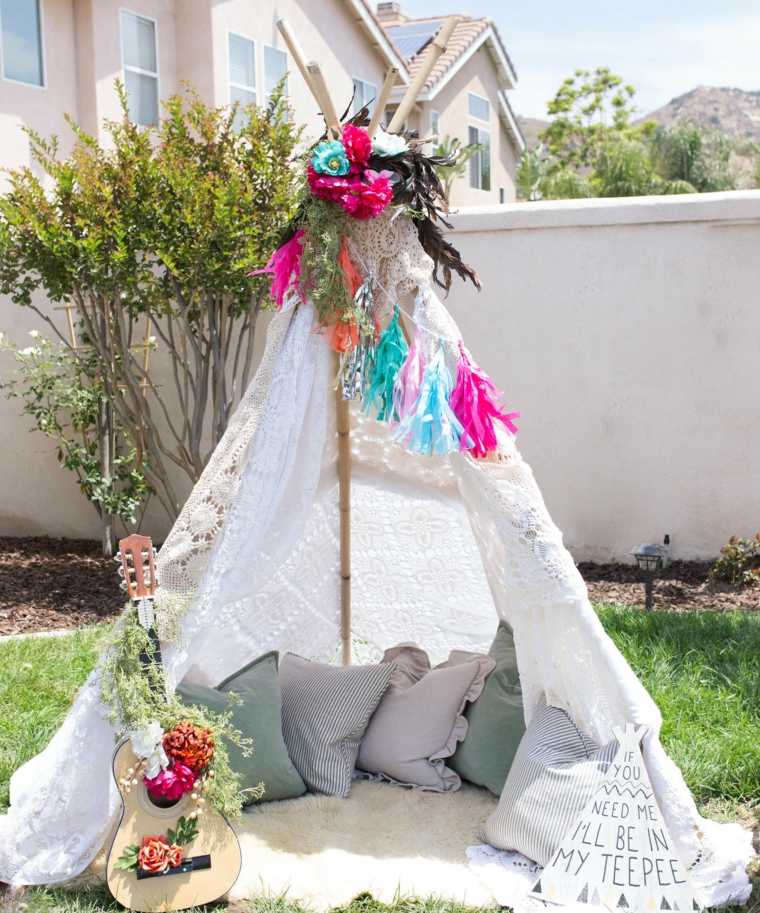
{"x":441,"y":547}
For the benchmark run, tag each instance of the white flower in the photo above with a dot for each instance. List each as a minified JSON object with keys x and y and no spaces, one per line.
{"x":35,"y":334}
{"x":29,"y":350}
{"x":147,"y":743}
{"x":388,"y":143}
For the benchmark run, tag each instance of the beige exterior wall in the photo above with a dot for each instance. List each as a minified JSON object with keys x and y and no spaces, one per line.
{"x":627,"y":333}
{"x":479,"y":77}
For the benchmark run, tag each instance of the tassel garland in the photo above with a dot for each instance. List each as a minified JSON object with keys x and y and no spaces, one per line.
{"x":355,"y":362}
{"x":284,"y":267}
{"x":475,"y":401}
{"x":387,"y":359}
{"x":406,"y":390}
{"x":431,"y":427}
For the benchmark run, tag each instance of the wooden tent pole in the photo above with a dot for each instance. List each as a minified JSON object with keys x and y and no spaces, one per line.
{"x":382,"y":100}
{"x":344,"y":506}
{"x":433,"y":51}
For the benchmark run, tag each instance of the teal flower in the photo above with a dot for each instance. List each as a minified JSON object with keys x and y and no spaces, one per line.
{"x":330,"y":158}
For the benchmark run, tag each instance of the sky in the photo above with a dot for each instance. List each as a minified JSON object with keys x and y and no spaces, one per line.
{"x":663,"y":48}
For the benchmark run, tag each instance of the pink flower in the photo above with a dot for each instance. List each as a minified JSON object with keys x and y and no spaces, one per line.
{"x":357,"y":144}
{"x":326,"y":187}
{"x":171,"y":783}
{"x":367,"y":200}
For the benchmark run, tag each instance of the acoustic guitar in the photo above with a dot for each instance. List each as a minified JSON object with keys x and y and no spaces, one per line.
{"x":193,"y":856}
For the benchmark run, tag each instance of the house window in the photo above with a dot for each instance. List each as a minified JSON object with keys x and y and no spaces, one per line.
{"x":365,"y":93}
{"x":140,"y":62}
{"x":478,"y":106}
{"x":22,"y":41}
{"x":480,"y":163}
{"x":435,"y":119}
{"x":242,"y":65}
{"x":275,"y":67}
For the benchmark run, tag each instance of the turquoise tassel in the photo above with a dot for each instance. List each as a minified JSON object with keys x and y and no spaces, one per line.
{"x":431,"y":427}
{"x":387,"y":358}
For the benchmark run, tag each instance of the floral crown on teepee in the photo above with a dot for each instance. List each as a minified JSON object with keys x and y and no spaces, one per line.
{"x":354,"y":173}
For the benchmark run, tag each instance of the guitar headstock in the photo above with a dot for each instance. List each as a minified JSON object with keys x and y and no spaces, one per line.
{"x":138,"y":566}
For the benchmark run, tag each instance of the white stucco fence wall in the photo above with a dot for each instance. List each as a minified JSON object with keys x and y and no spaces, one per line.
{"x":627,"y":332}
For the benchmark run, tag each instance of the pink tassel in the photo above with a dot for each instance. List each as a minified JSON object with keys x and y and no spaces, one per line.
{"x":475,"y":401}
{"x":284,"y":267}
{"x":406,"y":390}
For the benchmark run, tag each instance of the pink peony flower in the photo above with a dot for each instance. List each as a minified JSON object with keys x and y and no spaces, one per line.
{"x":367,"y":200}
{"x":172,"y":783}
{"x":357,"y":144}
{"x":326,"y":187}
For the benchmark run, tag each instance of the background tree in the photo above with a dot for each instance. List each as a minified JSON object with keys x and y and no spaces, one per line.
{"x":589,"y":109}
{"x":461,"y":155}
{"x":158,"y":227}
{"x":688,"y":152}
{"x":592,"y":149}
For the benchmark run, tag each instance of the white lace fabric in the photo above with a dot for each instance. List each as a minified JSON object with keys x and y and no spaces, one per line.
{"x":442,"y":546}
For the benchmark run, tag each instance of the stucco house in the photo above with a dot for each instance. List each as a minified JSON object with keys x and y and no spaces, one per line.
{"x":465,"y":96}
{"x":62,"y":56}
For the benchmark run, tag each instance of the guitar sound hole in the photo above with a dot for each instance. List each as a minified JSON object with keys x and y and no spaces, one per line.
{"x":160,"y":801}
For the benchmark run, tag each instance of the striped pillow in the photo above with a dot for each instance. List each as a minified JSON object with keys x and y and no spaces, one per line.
{"x":556,"y":771}
{"x":325,"y":710}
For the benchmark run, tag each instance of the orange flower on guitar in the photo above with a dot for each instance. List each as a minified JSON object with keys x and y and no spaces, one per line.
{"x":174,"y":855}
{"x":190,"y":745}
{"x":154,"y":854}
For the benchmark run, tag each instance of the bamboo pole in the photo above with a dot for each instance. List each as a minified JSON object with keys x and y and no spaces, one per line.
{"x":382,"y":99}
{"x":433,"y":51}
{"x":296,"y":53}
{"x":322,"y":94}
{"x":344,"y":506}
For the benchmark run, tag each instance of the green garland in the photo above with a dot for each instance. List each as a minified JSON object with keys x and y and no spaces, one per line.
{"x":321,"y":274}
{"x":135,"y":690}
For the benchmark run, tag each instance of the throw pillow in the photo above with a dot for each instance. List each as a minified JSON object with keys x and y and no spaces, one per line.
{"x":495,"y":721}
{"x":325,"y":710}
{"x":258,"y":717}
{"x":556,"y":771}
{"x":419,"y":721}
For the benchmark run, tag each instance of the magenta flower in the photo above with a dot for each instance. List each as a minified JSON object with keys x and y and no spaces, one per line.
{"x":365,"y":200}
{"x":172,"y":783}
{"x":357,"y":144}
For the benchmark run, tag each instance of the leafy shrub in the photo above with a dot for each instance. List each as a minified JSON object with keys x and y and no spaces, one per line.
{"x":739,"y":562}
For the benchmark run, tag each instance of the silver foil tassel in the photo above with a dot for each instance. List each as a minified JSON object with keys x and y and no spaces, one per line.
{"x":355,"y":364}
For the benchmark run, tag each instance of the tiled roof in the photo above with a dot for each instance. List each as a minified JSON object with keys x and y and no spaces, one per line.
{"x":466,"y":33}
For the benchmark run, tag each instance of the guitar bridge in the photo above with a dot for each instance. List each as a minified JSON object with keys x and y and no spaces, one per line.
{"x":194,"y":864}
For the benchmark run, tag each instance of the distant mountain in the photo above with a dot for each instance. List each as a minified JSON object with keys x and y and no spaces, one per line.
{"x":733,"y":111}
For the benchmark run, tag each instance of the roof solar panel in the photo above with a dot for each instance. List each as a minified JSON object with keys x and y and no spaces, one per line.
{"x":411,"y":38}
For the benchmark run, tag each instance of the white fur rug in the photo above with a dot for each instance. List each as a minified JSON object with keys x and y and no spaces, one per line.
{"x":383,"y":839}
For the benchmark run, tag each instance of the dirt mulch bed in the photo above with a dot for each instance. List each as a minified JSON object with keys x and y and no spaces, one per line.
{"x":681,"y":587}
{"x":49,"y":584}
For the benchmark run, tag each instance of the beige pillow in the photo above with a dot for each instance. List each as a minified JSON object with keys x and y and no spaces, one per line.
{"x":420,"y":720}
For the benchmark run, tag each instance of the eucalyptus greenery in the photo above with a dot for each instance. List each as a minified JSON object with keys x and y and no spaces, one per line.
{"x":321,"y":273}
{"x":134,"y":688}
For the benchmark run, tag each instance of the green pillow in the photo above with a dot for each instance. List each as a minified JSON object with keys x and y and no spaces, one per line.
{"x":258,"y":717}
{"x":495,"y":721}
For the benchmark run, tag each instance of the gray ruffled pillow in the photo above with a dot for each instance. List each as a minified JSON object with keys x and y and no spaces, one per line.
{"x":420,"y":720}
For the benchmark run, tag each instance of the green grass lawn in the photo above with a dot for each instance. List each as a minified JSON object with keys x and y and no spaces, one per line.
{"x":703,"y":670}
